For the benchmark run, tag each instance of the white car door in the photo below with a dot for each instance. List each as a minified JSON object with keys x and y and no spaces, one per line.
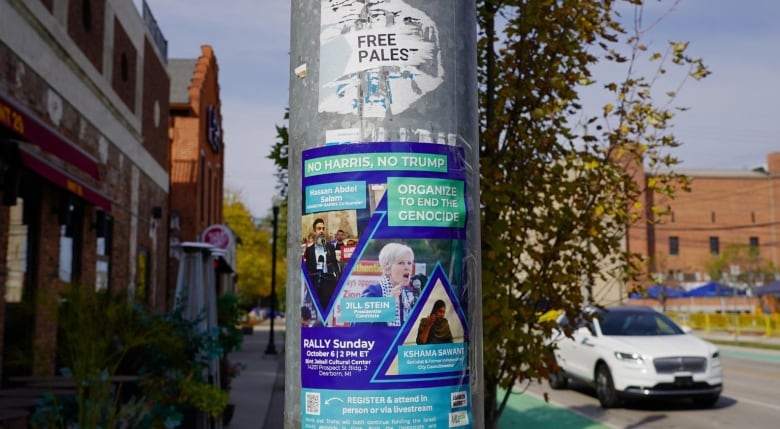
{"x":566,"y":353}
{"x":589,"y":351}
{"x":582,"y":354}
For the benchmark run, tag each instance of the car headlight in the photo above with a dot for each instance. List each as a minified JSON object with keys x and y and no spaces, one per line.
{"x":630,"y":357}
{"x":716,"y":359}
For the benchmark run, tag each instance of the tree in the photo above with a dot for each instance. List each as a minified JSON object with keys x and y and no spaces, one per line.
{"x":279,"y":152}
{"x":559,"y":183}
{"x":740,"y":266}
{"x":253,"y":250}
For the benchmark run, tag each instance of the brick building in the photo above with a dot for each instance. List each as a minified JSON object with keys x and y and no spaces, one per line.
{"x":725,"y":208}
{"x":197,"y":152}
{"x":84,"y":158}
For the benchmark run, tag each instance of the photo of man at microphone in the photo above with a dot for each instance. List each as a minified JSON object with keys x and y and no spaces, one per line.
{"x":322,"y":264}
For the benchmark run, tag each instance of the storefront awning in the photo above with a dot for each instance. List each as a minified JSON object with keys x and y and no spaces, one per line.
{"x":21,"y":122}
{"x":221,"y":266}
{"x":62,"y":178}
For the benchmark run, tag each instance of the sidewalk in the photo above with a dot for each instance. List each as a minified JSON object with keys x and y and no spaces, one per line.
{"x":258,"y":392}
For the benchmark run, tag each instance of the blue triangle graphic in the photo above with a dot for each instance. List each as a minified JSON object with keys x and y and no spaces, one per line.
{"x":438,"y":287}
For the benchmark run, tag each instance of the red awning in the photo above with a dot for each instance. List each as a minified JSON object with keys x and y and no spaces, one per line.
{"x":62,"y":178}
{"x":17,"y":119}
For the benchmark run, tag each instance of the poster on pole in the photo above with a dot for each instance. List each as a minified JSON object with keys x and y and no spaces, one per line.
{"x":379,"y":58}
{"x":384,"y":336}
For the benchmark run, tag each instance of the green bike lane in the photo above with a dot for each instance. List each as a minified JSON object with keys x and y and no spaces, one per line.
{"x":526,"y":411}
{"x":751,"y":354}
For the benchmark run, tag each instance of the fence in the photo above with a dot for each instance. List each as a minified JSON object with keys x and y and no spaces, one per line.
{"x":739,"y":315}
{"x":722,"y":304}
{"x":736,"y":323}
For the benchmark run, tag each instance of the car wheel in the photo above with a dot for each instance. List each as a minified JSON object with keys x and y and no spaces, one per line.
{"x":605,"y":388}
{"x":706,"y":401}
{"x":558,"y":380}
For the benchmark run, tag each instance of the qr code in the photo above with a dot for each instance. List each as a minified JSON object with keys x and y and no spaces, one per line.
{"x":313,"y":403}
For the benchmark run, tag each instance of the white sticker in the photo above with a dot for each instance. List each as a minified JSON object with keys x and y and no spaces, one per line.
{"x":376,"y":57}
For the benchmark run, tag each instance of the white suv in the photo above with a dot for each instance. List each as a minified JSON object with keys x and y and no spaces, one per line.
{"x":637,"y":352}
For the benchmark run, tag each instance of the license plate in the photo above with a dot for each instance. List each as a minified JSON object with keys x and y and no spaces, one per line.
{"x":683,"y":381}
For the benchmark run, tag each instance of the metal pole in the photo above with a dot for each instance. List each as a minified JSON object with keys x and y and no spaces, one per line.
{"x":271,"y":348}
{"x":383,"y":99}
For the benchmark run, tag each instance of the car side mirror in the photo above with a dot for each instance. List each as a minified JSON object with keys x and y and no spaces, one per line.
{"x":591,"y":329}
{"x":687,"y":329}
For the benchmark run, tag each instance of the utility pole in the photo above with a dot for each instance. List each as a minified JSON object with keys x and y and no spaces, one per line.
{"x":383,"y":138}
{"x":271,"y":347}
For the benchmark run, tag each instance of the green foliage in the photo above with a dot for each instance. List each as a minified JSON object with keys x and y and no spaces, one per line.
{"x":103,"y":335}
{"x":97,"y":330}
{"x":231,"y":337}
{"x":279,"y":154}
{"x":174,"y":365}
{"x":203,"y":396}
{"x":254,"y":249}
{"x":54,"y":411}
{"x":560,"y":182}
{"x":229,"y":371}
{"x":253,"y":256}
{"x":740,"y":265}
{"x":228,"y":319}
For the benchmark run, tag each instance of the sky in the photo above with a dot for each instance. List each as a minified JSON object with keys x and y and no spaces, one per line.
{"x":732,"y":121}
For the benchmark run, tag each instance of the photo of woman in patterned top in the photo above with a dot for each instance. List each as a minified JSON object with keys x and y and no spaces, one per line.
{"x":397,"y":263}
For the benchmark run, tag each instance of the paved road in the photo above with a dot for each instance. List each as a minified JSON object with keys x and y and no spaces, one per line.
{"x":749,"y":399}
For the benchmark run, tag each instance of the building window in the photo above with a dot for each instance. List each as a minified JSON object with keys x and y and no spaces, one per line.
{"x":210,"y":202}
{"x":70,"y":218}
{"x":104,"y":227}
{"x":217,"y":198}
{"x":202,"y":186}
{"x":22,"y":231}
{"x":124,"y":68}
{"x":143,"y":275}
{"x":16,"y":254}
{"x":712,"y":217}
{"x":86,"y":15}
{"x":754,"y":244}
{"x":674,"y":245}
{"x":714,"y":245}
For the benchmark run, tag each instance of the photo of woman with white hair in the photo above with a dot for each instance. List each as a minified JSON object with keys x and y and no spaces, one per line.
{"x":397,"y":263}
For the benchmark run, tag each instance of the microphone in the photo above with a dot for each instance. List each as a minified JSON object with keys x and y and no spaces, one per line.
{"x":320,"y":266}
{"x":321,"y":241}
{"x":418,"y":281}
{"x":401,"y":308}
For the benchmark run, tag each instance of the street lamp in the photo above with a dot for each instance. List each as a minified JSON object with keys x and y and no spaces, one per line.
{"x":271,"y":348}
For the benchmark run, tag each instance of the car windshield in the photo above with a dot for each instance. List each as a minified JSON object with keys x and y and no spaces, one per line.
{"x":637,"y":323}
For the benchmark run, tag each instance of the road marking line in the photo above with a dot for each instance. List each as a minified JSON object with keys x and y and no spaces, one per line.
{"x":754,"y":402}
